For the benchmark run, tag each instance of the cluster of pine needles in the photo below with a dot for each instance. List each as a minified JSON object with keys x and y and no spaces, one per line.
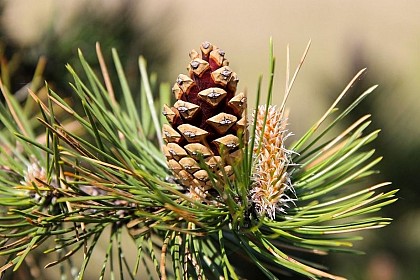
{"x":81,"y":169}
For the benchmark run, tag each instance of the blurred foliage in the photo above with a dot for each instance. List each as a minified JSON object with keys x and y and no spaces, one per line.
{"x":114,"y":30}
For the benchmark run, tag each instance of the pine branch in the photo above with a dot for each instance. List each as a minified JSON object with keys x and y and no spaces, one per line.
{"x":100,"y":166}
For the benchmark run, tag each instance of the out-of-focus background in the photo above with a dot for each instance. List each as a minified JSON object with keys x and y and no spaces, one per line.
{"x":383,"y":36}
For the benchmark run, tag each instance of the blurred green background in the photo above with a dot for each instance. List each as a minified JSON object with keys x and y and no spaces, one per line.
{"x":383,"y":36}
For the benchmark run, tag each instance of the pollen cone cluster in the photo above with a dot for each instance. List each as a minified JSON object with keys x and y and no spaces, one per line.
{"x":271,"y":179}
{"x":206,"y":122}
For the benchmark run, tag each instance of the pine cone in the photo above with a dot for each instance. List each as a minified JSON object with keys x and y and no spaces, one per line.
{"x":206,"y":123}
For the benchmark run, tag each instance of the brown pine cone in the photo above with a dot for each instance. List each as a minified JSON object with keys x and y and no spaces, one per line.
{"x":206,"y":122}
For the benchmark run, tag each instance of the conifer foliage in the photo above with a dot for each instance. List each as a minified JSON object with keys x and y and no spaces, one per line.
{"x":198,"y":192}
